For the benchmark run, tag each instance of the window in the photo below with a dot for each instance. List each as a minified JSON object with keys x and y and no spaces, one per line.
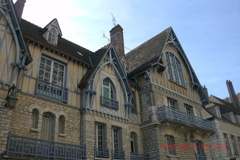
{"x":108,"y":89}
{"x":51,"y":71}
{"x":101,"y":146}
{"x":171,"y":145}
{"x":172,"y":104}
{"x":117,"y":143}
{"x":108,"y":98}
{"x":52,"y":36}
{"x":189,"y":110}
{"x":61,"y":124}
{"x":227,"y":143}
{"x":51,"y":79}
{"x":35,"y":115}
{"x":175,"y":69}
{"x":239,"y":142}
{"x":235,"y":150}
{"x":134,"y":148}
{"x":199,"y":149}
{"x":134,"y":108}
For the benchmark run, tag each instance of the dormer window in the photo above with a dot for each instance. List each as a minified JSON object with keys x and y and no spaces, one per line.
{"x":52,"y":36}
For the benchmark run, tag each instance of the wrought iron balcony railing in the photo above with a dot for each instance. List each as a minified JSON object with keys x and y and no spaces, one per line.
{"x":166,"y":113}
{"x":43,"y":149}
{"x":135,"y":156}
{"x":109,"y":103}
{"x":51,"y":90}
{"x":201,"y":157}
{"x":102,"y":153}
{"x":118,"y":154}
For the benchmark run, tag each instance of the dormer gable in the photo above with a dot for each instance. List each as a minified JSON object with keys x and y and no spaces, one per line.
{"x":51,"y":32}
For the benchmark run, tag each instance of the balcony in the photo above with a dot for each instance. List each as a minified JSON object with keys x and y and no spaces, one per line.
{"x":42,"y":149}
{"x":109,"y":103}
{"x":118,"y":154}
{"x":165,"y":113}
{"x":51,"y":90}
{"x":102,"y":153}
{"x":201,"y":157}
{"x":134,"y":156}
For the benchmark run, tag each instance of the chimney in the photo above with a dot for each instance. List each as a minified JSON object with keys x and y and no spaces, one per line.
{"x":19,"y":6}
{"x":205,"y":91}
{"x":232,"y":94}
{"x":116,"y":35}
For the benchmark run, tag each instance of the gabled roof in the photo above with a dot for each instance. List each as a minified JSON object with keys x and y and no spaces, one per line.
{"x":147,"y":53}
{"x":96,"y":59}
{"x":65,"y":47}
{"x":225,"y":106}
{"x":55,"y":23}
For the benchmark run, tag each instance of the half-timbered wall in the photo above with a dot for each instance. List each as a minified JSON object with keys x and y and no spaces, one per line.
{"x":73,"y":73}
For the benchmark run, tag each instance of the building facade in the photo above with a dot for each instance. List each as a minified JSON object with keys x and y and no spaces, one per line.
{"x":225,"y":116}
{"x":73,"y":103}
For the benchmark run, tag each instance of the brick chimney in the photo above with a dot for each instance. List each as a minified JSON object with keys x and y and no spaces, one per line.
{"x":19,"y":6}
{"x":205,"y":90}
{"x":232,"y":94}
{"x":116,"y":35}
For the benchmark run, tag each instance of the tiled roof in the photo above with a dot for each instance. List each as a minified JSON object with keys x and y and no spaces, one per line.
{"x":147,"y":53}
{"x":65,"y":47}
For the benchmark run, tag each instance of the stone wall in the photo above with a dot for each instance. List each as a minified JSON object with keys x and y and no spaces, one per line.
{"x":90,"y":118}
{"x":22,"y":118}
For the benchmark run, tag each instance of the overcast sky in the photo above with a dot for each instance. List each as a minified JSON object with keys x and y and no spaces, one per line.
{"x":208,"y":30}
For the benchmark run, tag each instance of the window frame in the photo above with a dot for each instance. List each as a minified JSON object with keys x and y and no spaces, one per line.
{"x":234,"y":144}
{"x":175,"y":71}
{"x":133,"y":143}
{"x":101,"y":144}
{"x":61,"y":124}
{"x":52,"y":36}
{"x":226,"y":140}
{"x":35,"y":118}
{"x":53,"y":60}
{"x":116,"y":139}
{"x":170,"y":141}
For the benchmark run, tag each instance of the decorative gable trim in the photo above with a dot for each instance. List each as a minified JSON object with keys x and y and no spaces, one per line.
{"x":51,"y":32}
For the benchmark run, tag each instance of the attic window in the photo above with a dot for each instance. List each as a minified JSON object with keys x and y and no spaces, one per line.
{"x":52,"y":36}
{"x":79,"y":53}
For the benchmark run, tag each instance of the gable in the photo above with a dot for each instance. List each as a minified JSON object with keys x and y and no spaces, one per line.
{"x":107,"y":56}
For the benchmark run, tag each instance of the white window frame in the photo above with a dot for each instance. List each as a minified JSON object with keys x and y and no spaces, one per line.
{"x":52,"y":70}
{"x":108,"y":84}
{"x":52,"y":35}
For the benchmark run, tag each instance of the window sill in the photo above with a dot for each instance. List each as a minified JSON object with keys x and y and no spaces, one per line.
{"x":61,"y":135}
{"x":34,"y":129}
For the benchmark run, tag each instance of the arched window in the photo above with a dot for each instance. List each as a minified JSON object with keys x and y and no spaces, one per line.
{"x":108,"y":89}
{"x":52,"y":36}
{"x":175,"y":69}
{"x":108,"y":97}
{"x":35,"y":115}
{"x":134,"y":147}
{"x":61,"y":124}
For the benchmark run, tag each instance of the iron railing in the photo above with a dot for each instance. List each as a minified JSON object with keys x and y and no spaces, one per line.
{"x":51,"y":90}
{"x":109,"y":103}
{"x":118,"y":154}
{"x":135,"y":156}
{"x":201,"y":157}
{"x":38,"y":148}
{"x":102,"y":153}
{"x":166,"y":113}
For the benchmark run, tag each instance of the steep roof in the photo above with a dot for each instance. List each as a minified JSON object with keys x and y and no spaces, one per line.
{"x":147,"y":53}
{"x":96,"y":59}
{"x":65,"y":47}
{"x":225,"y":106}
